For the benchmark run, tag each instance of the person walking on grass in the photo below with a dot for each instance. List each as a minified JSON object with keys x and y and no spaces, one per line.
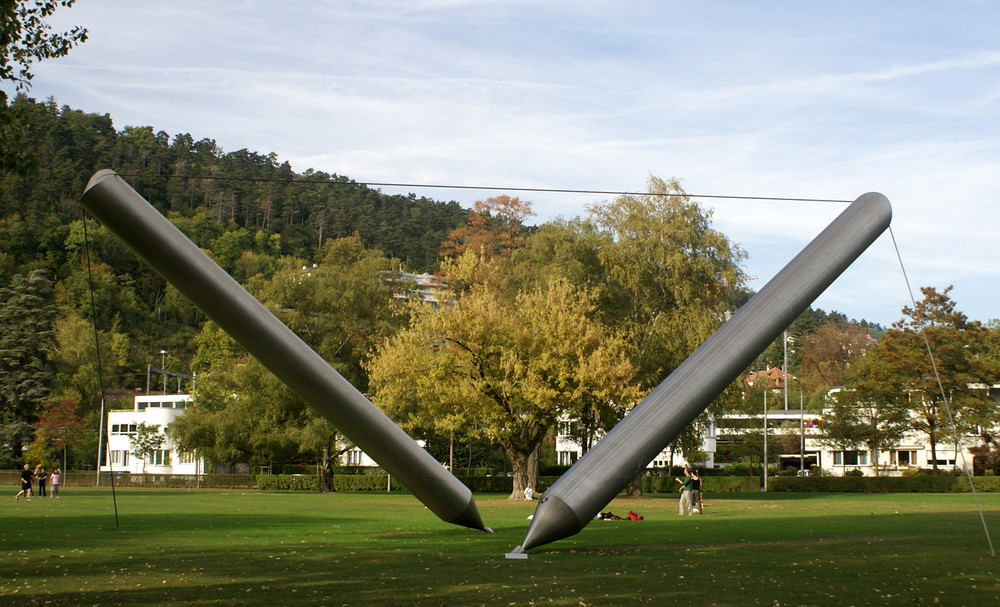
{"x":27,"y":478}
{"x":684,"y":505}
{"x":55,"y":480}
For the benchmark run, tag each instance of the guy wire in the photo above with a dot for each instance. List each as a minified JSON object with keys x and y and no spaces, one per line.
{"x":100,"y":366}
{"x":441,"y":186}
{"x":944,"y":398}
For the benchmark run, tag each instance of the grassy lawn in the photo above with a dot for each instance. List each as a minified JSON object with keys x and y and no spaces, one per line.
{"x":214,"y":547}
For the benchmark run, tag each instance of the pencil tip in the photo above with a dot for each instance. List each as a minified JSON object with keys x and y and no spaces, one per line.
{"x":553,"y":520}
{"x":470,"y":517}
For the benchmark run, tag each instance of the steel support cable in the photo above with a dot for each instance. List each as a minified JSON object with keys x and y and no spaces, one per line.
{"x":944,"y":398}
{"x":431,"y":186}
{"x":100,"y":368}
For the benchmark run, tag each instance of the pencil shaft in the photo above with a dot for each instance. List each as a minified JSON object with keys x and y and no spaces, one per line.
{"x":593,"y":481}
{"x":125,"y":213}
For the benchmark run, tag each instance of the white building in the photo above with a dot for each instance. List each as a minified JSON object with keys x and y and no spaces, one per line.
{"x":913,"y":450}
{"x":569,"y":448}
{"x":155,"y":410}
{"x":424,"y":287}
{"x":354,"y":456}
{"x":806,"y":448}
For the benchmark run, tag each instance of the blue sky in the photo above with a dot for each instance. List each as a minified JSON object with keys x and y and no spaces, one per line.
{"x":793,"y":99}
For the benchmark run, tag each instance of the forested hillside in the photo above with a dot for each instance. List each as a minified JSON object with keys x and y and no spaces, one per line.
{"x":220,"y":196}
{"x":249,"y":210}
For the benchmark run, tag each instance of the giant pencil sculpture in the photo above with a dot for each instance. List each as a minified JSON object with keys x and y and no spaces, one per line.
{"x":123,"y":211}
{"x":596,"y":478}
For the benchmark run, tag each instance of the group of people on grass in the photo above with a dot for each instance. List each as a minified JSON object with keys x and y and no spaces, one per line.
{"x":29,"y":478}
{"x":691,"y":501}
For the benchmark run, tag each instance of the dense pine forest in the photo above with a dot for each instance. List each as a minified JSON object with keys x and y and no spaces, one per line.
{"x":219,"y":197}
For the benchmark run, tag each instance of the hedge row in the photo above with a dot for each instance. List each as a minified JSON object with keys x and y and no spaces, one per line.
{"x":365,"y":482}
{"x":504,"y":484}
{"x":288,"y":482}
{"x":164,"y":481}
{"x":883,"y":484}
{"x":478,"y":484}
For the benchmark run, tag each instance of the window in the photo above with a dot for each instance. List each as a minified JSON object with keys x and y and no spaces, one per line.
{"x":118,"y":458}
{"x":850,"y":458}
{"x":186,"y":458}
{"x":123,"y":428}
{"x":566,"y":458}
{"x":906,"y":458}
{"x":354,"y":457}
{"x":159,"y":457}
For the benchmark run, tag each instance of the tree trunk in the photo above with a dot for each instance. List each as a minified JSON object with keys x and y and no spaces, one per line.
{"x":519,"y":470}
{"x":524,"y":467}
{"x":326,"y":470}
{"x":468,"y":467}
{"x":635,"y":485}
{"x":932,"y":438}
{"x":533,"y":460}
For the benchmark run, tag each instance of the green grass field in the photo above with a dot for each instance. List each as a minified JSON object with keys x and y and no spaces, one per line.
{"x":214,"y":547}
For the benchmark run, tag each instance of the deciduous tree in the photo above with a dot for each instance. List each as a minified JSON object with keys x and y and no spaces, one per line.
{"x":899,"y":369}
{"x":59,"y":425}
{"x":875,"y":420}
{"x":828,"y":354}
{"x":78,"y":378}
{"x":671,"y":271}
{"x":495,"y":227}
{"x":669,"y":280}
{"x":242,"y":412}
{"x":145,"y":441}
{"x":505,"y":370}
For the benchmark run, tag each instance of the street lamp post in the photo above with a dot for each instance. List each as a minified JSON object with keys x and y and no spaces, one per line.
{"x":163,"y":368}
{"x":765,"y":440}
{"x":784,"y":365}
{"x":802,"y":437}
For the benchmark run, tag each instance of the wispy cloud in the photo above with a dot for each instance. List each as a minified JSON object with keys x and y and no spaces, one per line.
{"x":827,"y":101}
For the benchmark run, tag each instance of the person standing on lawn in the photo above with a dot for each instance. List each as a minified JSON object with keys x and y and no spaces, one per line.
{"x":55,"y":481}
{"x":42,"y":479}
{"x":684,"y":505}
{"x":696,"y":501}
